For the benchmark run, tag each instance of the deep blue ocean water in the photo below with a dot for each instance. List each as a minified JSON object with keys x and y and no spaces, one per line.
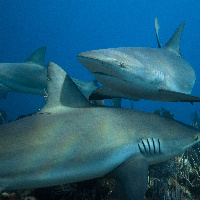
{"x":69,"y":27}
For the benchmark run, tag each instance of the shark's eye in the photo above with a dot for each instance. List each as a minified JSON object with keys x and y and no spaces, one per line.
{"x":121,"y":64}
{"x":196,"y":138}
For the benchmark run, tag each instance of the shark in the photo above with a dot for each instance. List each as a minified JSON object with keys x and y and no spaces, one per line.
{"x":29,"y":77}
{"x":157,"y":74}
{"x":71,"y":139}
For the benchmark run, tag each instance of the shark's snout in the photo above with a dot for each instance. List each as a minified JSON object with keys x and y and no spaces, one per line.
{"x":89,"y":56}
{"x":90,"y":62}
{"x":97,"y":62}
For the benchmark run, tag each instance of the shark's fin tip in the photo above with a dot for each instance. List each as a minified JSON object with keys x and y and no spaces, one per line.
{"x":173,"y":96}
{"x":37,"y":57}
{"x":174,"y":41}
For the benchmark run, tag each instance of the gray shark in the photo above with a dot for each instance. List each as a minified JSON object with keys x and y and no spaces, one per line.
{"x":30,"y":77}
{"x":158,"y":74}
{"x":71,"y":139}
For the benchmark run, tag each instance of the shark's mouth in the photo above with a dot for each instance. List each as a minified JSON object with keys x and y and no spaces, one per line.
{"x":101,"y":75}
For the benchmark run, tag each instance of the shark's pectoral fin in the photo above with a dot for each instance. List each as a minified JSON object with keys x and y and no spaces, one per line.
{"x":103,"y":93}
{"x":131,"y":179}
{"x":172,"y":96}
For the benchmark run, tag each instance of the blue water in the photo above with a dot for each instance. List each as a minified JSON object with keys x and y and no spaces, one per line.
{"x":69,"y":27}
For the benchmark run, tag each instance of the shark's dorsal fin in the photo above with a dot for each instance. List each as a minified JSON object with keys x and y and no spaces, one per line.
{"x":37,"y":57}
{"x":157,"y":27}
{"x":174,"y":41}
{"x":62,"y":91}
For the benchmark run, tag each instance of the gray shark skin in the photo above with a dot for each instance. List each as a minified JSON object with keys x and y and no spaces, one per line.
{"x":71,"y":139}
{"x":158,"y":74}
{"x":86,"y":87}
{"x":30,"y":77}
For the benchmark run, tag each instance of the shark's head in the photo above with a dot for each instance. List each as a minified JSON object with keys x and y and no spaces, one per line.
{"x":102,"y":61}
{"x":121,"y":63}
{"x":169,"y":139}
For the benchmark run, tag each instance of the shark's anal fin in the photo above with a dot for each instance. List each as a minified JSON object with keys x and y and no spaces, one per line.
{"x":62,"y":91}
{"x":131,"y":179}
{"x":37,"y":57}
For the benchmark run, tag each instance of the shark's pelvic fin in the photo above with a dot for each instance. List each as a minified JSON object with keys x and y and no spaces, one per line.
{"x":131,"y":179}
{"x":157,"y":27}
{"x":37,"y":57}
{"x":62,"y":91}
{"x":174,"y":41}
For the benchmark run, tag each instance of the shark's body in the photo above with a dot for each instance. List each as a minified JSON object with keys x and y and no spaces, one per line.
{"x":159,"y":74}
{"x":29,"y":77}
{"x":72,"y":140}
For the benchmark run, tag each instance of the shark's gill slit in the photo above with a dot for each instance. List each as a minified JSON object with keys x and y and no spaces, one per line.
{"x":140,"y":148}
{"x":159,"y":145}
{"x":144,"y":146}
{"x":154,"y":146}
{"x":149,"y":146}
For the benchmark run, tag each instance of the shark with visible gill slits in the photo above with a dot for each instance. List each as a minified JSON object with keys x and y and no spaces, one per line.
{"x":158,"y":74}
{"x":71,"y":140}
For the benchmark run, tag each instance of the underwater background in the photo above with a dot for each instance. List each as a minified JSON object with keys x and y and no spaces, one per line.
{"x":69,"y":27}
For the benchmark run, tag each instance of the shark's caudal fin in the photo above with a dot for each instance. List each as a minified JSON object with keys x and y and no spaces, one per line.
{"x":37,"y":57}
{"x":157,"y":27}
{"x":62,"y":91}
{"x":174,"y":41}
